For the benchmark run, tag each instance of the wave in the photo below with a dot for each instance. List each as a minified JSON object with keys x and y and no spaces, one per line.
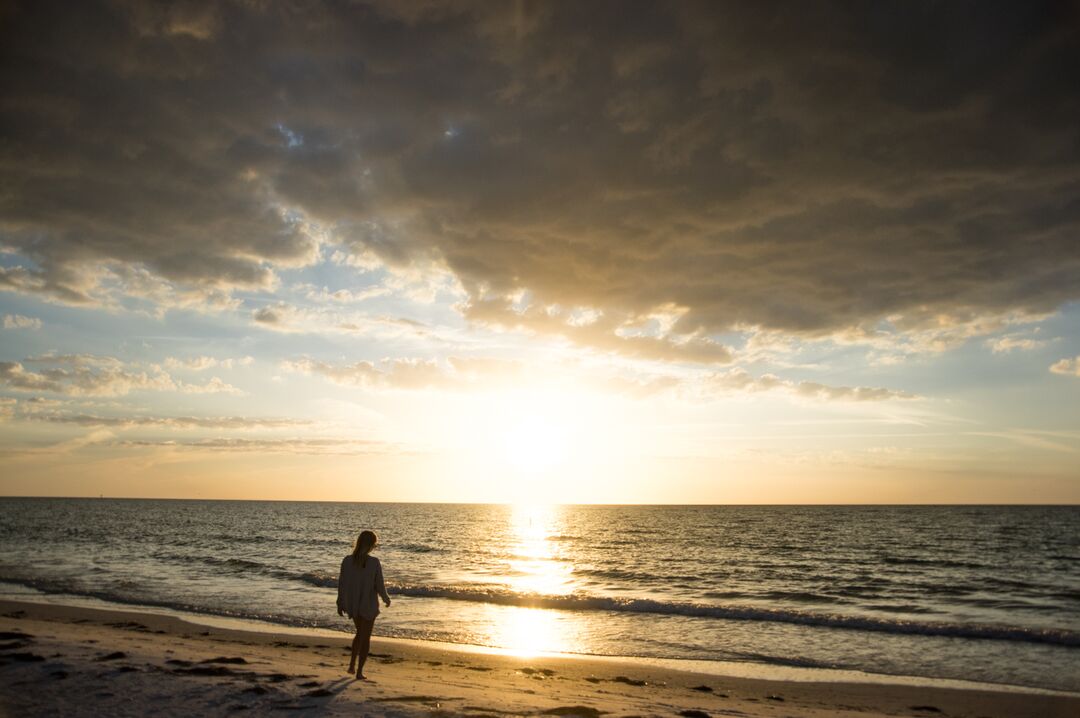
{"x":321,"y":579}
{"x":418,"y":548}
{"x":580,"y":602}
{"x":60,"y":587}
{"x":583,"y":602}
{"x":943,"y":563}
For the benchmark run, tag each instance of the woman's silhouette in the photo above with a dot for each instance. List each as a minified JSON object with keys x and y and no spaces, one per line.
{"x":360,"y":584}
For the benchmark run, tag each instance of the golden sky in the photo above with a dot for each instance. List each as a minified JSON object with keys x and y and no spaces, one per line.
{"x":590,"y":252}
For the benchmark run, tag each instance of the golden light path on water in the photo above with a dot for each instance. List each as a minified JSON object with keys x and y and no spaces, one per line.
{"x":534,"y":567}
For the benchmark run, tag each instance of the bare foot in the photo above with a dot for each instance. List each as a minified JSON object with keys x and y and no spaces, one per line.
{"x":361,"y":677}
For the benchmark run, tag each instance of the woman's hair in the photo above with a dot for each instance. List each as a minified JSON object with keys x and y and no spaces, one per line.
{"x":364,"y":543}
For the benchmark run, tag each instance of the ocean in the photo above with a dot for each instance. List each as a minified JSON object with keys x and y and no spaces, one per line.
{"x":980,"y":593}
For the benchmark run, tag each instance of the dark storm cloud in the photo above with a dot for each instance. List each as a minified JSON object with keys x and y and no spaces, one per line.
{"x":801,"y":167}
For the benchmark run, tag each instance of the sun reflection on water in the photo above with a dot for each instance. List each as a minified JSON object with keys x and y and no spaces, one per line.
{"x":528,"y":632}
{"x":534,"y":566}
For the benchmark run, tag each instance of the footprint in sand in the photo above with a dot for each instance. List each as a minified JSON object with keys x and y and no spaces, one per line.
{"x":115,"y":655}
{"x":629,"y":681}
{"x":582,"y":711}
{"x":537,"y":672}
{"x":235,"y":660}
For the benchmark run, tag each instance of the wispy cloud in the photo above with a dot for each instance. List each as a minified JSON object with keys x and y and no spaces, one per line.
{"x":18,"y":321}
{"x":317,"y":446}
{"x":234,"y":423}
{"x":1067,"y":366}
{"x":740,"y":381}
{"x":89,"y":375}
{"x":202,"y":363}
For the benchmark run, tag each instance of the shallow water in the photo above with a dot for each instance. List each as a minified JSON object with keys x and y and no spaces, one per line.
{"x":977,"y":593}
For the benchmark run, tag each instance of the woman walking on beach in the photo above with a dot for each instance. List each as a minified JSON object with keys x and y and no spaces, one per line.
{"x":360,"y":585}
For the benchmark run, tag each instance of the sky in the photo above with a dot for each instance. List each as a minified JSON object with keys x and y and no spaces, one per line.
{"x":805,"y":252}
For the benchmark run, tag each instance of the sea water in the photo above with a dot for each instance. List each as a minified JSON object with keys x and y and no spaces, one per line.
{"x":984,"y":593}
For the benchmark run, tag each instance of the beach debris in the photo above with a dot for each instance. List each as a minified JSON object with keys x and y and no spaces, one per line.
{"x":114,"y":656}
{"x":477,"y":668}
{"x":178,"y":662}
{"x":702,"y":688}
{"x":774,"y":698}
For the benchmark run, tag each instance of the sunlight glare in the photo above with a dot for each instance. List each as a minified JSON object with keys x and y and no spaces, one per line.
{"x":534,"y":564}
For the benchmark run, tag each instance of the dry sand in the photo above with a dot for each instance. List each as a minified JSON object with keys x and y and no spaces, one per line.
{"x":71,"y":661}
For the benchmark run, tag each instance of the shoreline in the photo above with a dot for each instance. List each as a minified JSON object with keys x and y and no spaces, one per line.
{"x":93,"y":661}
{"x":734,"y":669}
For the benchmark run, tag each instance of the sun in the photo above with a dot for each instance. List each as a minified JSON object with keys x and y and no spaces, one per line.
{"x":541,"y":442}
{"x":534,"y":443}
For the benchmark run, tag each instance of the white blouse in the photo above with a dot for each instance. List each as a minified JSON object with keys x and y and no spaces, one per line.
{"x":359,"y":588}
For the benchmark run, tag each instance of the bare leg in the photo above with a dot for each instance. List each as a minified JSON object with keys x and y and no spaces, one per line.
{"x":355,"y":650}
{"x":362,"y":643}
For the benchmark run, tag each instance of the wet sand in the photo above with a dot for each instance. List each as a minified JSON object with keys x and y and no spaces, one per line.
{"x":74,"y":661}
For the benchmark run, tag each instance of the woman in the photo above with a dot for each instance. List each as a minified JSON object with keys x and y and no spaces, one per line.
{"x":360,"y":585}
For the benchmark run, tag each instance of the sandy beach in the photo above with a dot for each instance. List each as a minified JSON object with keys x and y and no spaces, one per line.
{"x":61,"y":660}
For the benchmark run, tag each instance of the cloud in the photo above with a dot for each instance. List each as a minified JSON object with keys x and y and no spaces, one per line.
{"x":592,"y":329}
{"x":89,"y":375}
{"x":318,"y":446}
{"x":18,"y":321}
{"x":323,"y":295}
{"x":706,"y":156}
{"x":738,"y":380}
{"x":202,"y":363}
{"x":1067,"y":367}
{"x":290,"y":319}
{"x":1003,"y":345}
{"x":233,"y":423}
{"x":388,"y":374}
{"x":212,"y":386}
{"x":413,"y":374}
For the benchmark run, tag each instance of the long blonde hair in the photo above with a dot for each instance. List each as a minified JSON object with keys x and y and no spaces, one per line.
{"x":364,"y":543}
